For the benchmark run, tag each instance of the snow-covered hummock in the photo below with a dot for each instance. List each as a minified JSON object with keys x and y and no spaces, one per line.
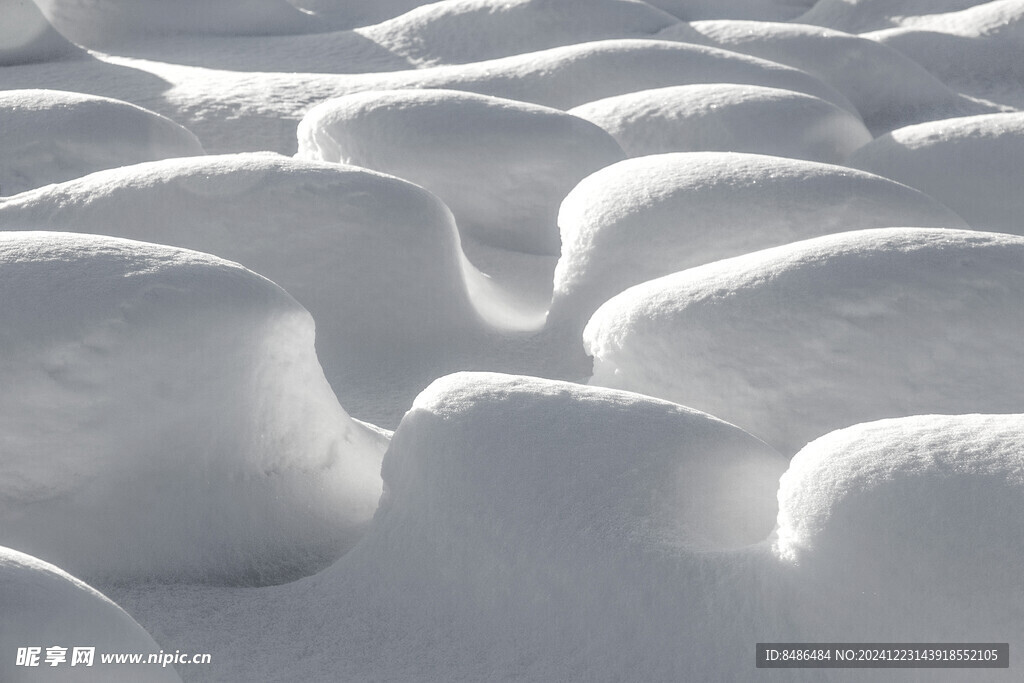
{"x":915,"y":519}
{"x":374,"y":258}
{"x":49,"y":136}
{"x":502,"y":166}
{"x":164,"y":417}
{"x":973,"y":163}
{"x":727,"y":117}
{"x":888,"y":89}
{"x":796,"y":341}
{"x":27,"y":37}
{"x":535,"y":530}
{"x":859,"y":16}
{"x":461,"y":31}
{"x":45,"y":607}
{"x":651,"y":216}
{"x":97,"y":22}
{"x":757,"y":10}
{"x":975,"y":50}
{"x":348,"y":13}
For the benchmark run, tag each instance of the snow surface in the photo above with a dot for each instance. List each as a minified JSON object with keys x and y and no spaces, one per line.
{"x":718,"y":116}
{"x":43,"y":606}
{"x":888,"y":89}
{"x":502,"y":166}
{"x":26,"y":36}
{"x":650,"y":216}
{"x":51,"y":136}
{"x":340,"y":239}
{"x":973,"y":163}
{"x":761,"y":10}
{"x":793,"y":342}
{"x":164,"y":417}
{"x":860,"y":16}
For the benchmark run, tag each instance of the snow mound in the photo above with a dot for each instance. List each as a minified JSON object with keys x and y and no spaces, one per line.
{"x":727,"y":117}
{"x":973,"y":163}
{"x":27,"y":37}
{"x":50,"y":136}
{"x":888,"y":89}
{"x":793,"y":342}
{"x":349,"y":13}
{"x":757,"y":10}
{"x":502,"y":166}
{"x":860,"y":16}
{"x":651,"y":216}
{"x":900,"y":511}
{"x":165,"y":418}
{"x":340,"y":239}
{"x":45,"y":607}
{"x":96,"y":23}
{"x":460,"y":31}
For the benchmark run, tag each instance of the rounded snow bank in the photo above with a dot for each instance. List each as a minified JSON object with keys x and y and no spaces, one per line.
{"x":758,"y":10}
{"x":888,"y":89}
{"x":651,"y":216}
{"x":460,"y":31}
{"x":502,"y":166}
{"x":341,"y":240}
{"x":973,"y":163}
{"x":920,"y":516}
{"x":96,"y":22}
{"x":44,"y":606}
{"x":27,"y":37}
{"x":728,"y":117}
{"x":526,"y":466}
{"x":50,"y":136}
{"x":793,"y":342}
{"x":165,"y":418}
{"x":859,"y":16}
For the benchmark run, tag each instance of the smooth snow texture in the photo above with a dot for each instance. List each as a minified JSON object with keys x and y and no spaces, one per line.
{"x":651,"y":216}
{"x":728,"y":118}
{"x":888,"y":89}
{"x":51,"y":136}
{"x":375,"y":259}
{"x":26,"y":36}
{"x":502,"y":166}
{"x":95,"y":23}
{"x":164,"y":418}
{"x":793,"y":342}
{"x":43,"y":607}
{"x":973,"y":163}
{"x":918,"y":517}
{"x":461,"y":31}
{"x":759,"y":10}
{"x":859,"y":16}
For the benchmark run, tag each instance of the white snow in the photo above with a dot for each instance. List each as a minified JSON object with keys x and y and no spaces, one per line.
{"x":340,"y":239}
{"x":51,"y":136}
{"x":887,"y":88}
{"x":26,"y":36}
{"x":793,"y":342}
{"x":45,"y":607}
{"x":164,"y":417}
{"x":502,"y":166}
{"x":973,"y":163}
{"x":461,"y":31}
{"x":917,"y":517}
{"x":761,"y":10}
{"x":719,"y":117}
{"x":651,"y":216}
{"x":860,"y":16}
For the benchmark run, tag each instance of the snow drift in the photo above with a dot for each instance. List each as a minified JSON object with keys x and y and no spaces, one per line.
{"x":883,"y":518}
{"x":760,"y":10}
{"x":859,"y":16}
{"x":164,"y":418}
{"x":341,"y":240}
{"x":461,"y":31}
{"x":651,"y":216}
{"x":502,"y":166}
{"x":45,"y":607}
{"x":793,"y":342}
{"x":972,"y":163}
{"x":887,"y":88}
{"x":26,"y":36}
{"x":50,"y":136}
{"x":728,"y":118}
